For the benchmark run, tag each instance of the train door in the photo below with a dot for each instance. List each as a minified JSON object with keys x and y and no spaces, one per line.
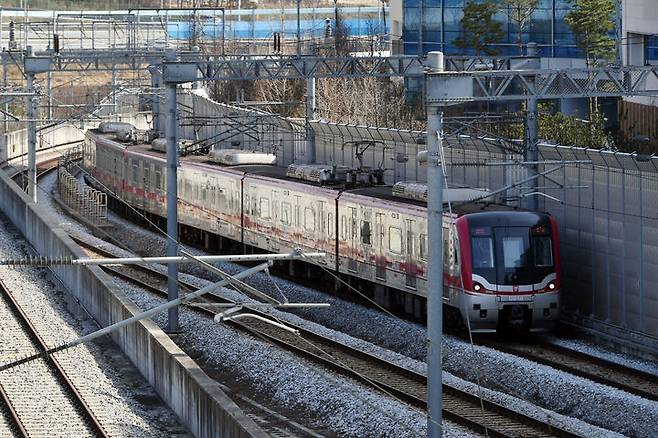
{"x":380,"y":251}
{"x":352,"y":263}
{"x":410,"y":259}
{"x":366,"y":241}
{"x":322,"y":231}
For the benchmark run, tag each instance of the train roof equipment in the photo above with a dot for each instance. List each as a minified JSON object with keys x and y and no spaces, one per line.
{"x":318,"y":173}
{"x":237,"y":157}
{"x":418,"y":192}
{"x":160,"y":144}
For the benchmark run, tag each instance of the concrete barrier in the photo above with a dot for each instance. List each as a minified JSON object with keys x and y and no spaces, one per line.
{"x":197,"y":399}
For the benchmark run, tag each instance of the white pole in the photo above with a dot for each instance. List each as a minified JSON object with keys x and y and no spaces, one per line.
{"x":31,"y":134}
{"x":171,"y":131}
{"x":435,"y":264}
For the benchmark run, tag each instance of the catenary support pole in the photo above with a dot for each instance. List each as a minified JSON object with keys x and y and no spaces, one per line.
{"x":156,"y":103}
{"x":172,"y":203}
{"x":299,"y":29}
{"x":435,"y":262}
{"x":31,"y":135}
{"x":5,"y":106}
{"x":619,"y":31}
{"x":310,"y":115}
{"x":531,"y":152}
{"x":435,"y":271}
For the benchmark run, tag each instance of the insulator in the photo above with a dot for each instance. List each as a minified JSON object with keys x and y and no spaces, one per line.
{"x":37,"y":261}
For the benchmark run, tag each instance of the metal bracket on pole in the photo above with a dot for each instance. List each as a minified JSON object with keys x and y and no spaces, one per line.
{"x":147,"y":314}
{"x":156,"y":102}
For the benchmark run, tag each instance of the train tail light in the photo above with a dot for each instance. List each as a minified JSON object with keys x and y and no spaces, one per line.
{"x":477,"y":287}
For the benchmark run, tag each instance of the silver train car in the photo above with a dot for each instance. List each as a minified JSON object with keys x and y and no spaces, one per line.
{"x":501,"y":265}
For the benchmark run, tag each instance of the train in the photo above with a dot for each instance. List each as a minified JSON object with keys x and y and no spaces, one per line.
{"x":501,"y":264}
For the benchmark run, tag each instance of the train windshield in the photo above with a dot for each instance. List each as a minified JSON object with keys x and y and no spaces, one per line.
{"x":512,"y":255}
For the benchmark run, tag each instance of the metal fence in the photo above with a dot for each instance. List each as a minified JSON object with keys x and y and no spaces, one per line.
{"x":84,"y":200}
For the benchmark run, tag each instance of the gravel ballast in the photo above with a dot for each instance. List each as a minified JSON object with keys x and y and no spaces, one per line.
{"x":125,"y":404}
{"x":509,"y":378}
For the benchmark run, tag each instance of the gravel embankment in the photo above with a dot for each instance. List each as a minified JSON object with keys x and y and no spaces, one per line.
{"x":125,"y":404}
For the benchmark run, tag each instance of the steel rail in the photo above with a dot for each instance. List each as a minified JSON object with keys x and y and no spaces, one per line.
{"x":14,"y":419}
{"x":599,"y":370}
{"x":401,"y":383}
{"x":59,"y":373}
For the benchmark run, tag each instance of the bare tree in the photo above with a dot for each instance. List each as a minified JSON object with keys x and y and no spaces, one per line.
{"x":519,"y":12}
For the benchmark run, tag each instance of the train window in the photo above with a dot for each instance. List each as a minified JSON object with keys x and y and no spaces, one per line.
{"x":158,"y":180}
{"x":410,"y":238}
{"x":395,"y":240}
{"x":365,"y":232}
{"x":422,"y":247}
{"x":483,"y":256}
{"x":353,"y":224}
{"x":204,"y":189}
{"x":343,"y":228}
{"x":135,"y":173}
{"x":285,"y":213}
{"x":543,"y":250}
{"x":264,"y":208}
{"x":309,"y":219}
{"x":331,"y":225}
{"x":513,"y":251}
{"x":147,"y":181}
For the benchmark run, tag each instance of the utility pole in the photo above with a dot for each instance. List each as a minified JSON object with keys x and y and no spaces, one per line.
{"x":31,"y":136}
{"x":531,"y":152}
{"x":172,"y":199}
{"x":310,"y":115}
{"x":33,"y":65}
{"x":619,"y":32}
{"x":435,"y":261}
{"x":299,"y":29}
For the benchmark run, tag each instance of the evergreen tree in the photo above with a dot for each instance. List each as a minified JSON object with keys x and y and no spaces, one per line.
{"x":591,"y":22}
{"x":519,"y":13}
{"x":479,"y":29}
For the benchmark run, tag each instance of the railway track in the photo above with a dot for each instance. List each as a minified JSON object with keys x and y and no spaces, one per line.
{"x":403,"y":384}
{"x":580,"y":364}
{"x":40,"y":384}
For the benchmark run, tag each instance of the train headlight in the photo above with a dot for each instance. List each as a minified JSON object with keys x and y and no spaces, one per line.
{"x":477,"y":287}
{"x":551,"y":286}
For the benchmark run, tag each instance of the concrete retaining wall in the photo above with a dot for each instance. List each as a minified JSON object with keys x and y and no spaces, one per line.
{"x":197,"y":399}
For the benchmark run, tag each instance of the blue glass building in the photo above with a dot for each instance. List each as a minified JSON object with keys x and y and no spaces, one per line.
{"x":441,"y":26}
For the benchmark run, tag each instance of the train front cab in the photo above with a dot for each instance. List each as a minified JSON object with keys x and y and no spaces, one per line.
{"x":510,"y":271}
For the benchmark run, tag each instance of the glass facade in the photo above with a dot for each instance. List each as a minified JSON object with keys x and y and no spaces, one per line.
{"x":435,"y":24}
